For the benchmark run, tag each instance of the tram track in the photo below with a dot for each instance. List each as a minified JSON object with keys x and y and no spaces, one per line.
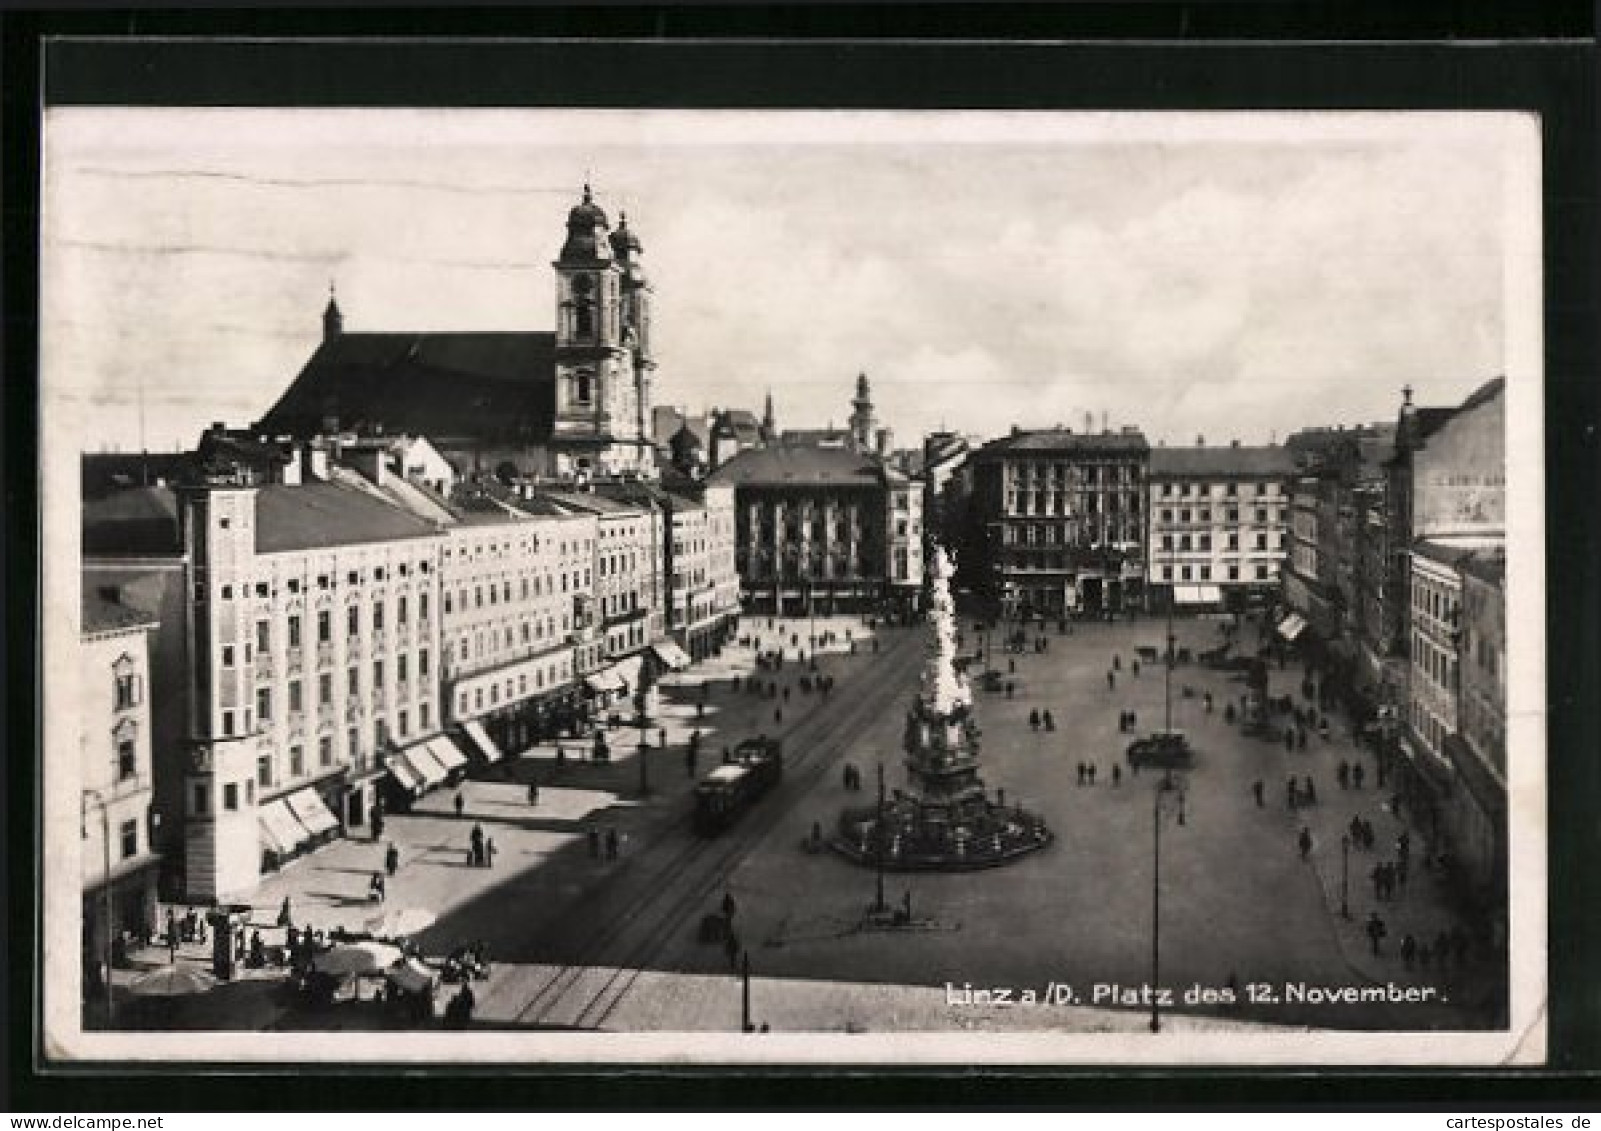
{"x":680,"y":885}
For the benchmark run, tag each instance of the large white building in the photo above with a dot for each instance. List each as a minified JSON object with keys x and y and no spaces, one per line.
{"x":1218,"y":518}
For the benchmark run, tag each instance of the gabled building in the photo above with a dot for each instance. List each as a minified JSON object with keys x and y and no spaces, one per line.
{"x":824,"y":530}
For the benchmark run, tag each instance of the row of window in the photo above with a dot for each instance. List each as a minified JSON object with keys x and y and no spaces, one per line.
{"x":1260,"y":572}
{"x":1230,"y":514}
{"x":553,"y":674}
{"x":1203,"y":543}
{"x":324,"y":582}
{"x":127,"y":839}
{"x":1228,"y":490}
{"x":1059,"y":503}
{"x":294,"y":634}
{"x":543,"y":585}
{"x":1077,"y":473}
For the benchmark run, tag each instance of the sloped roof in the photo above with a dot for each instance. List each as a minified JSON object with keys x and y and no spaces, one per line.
{"x":1456,"y":552}
{"x":1063,"y":440}
{"x":794,"y":465}
{"x":328,"y":514}
{"x":136,"y":522}
{"x":102,"y":615}
{"x":1486,"y":564}
{"x":104,"y":473}
{"x":486,"y":386}
{"x":1222,"y":462}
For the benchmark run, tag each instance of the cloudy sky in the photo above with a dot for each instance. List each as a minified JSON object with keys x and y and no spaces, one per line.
{"x":1237,"y":276}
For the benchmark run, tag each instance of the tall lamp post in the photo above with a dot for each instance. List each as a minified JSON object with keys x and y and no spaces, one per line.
{"x":878,"y":899}
{"x":745,"y":1025}
{"x":644,"y":742}
{"x":1166,"y":787}
{"x":1345,"y":875}
{"x":105,"y":891}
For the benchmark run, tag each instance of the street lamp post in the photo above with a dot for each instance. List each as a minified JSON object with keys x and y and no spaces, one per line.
{"x":105,"y":892}
{"x":745,"y":1025}
{"x":1345,"y":875}
{"x":878,"y":900}
{"x":1165,"y":787}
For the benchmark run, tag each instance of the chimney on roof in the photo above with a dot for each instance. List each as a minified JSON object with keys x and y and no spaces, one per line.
{"x":316,"y":461}
{"x":1200,"y":441}
{"x":1105,"y":422}
{"x":1234,"y":443}
{"x":1017,"y":430}
{"x":886,"y":438}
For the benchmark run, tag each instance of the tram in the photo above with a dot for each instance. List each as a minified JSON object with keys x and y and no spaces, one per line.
{"x":722,"y":795}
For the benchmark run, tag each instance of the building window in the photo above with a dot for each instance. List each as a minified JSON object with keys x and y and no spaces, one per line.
{"x":377,"y":674}
{"x":127,"y":690}
{"x":1261,"y":541}
{"x":422,"y":717}
{"x":400,"y":669}
{"x":325,"y":751}
{"x":378,"y":615}
{"x":353,"y":743}
{"x":294,"y":631}
{"x":1261,"y":573}
{"x":297,"y":761}
{"x":422,"y":663}
{"x":1167,"y":573}
{"x":230,"y":796}
{"x":325,"y":627}
{"x":352,"y":622}
{"x":422,"y":607}
{"x":127,"y":757}
{"x":263,"y":636}
{"x":264,"y":704}
{"x":1185,"y":572}
{"x":294,"y":696}
{"x":264,"y":771}
{"x":227,"y":724}
{"x":1206,"y":573}
{"x":130,"y":839}
{"x":227,"y":655}
{"x":400,"y":610}
{"x":325,"y":689}
{"x":352,"y":683}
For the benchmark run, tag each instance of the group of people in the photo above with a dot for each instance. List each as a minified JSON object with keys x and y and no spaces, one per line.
{"x":480,"y":849}
{"x":598,"y":841}
{"x":1037,"y":720}
{"x":1086,"y":773}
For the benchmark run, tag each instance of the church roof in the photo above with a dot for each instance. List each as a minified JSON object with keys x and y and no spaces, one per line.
{"x":1130,"y":440}
{"x":488,"y":386}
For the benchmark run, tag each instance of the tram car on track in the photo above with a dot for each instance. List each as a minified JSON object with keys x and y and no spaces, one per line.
{"x":722,"y":795}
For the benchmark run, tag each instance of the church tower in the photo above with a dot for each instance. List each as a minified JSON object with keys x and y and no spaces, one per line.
{"x":601,"y":424}
{"x":333,"y":320}
{"x":636,"y":315}
{"x":862,"y":420}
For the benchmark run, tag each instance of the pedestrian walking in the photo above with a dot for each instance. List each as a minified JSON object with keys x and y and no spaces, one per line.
{"x":611,"y":843}
{"x":1256,"y":789}
{"x":533,"y":793}
{"x":1117,"y":662}
{"x":1081,"y":773}
{"x":1310,"y":792}
{"x":1092,"y":773}
{"x":1034,"y":720}
{"x":1009,"y":689}
{"x":1011,"y":667}
{"x":1300,"y":739}
{"x":1343,"y":774}
{"x":1048,"y":722}
{"x":1135,"y":668}
{"x":391,"y":865}
{"x":1291,"y":794}
{"x":1403,"y":844}
{"x":1357,"y":775}
{"x":172,"y":938}
{"x":1289,"y":740}
{"x":375,"y":887}
{"x":1117,"y":774}
{"x":1376,"y":930}
{"x":377,"y":825}
{"x":594,"y":843}
{"x":729,"y":906}
{"x":460,"y":803}
{"x":489,"y":853}
{"x":1111,"y":681}
{"x":1305,"y":842}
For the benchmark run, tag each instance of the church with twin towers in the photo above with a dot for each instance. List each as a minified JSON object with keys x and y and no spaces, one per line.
{"x":569,"y":404}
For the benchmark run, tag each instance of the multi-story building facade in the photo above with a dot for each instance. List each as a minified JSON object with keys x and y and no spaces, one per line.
{"x":703,"y":593}
{"x":824,"y":530}
{"x":1064,"y":525}
{"x":118,"y":824}
{"x":1479,"y":751}
{"x":1219,"y":519}
{"x":314,"y":627}
{"x":517,"y":619}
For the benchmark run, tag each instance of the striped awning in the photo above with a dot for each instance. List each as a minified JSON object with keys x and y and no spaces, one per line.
{"x":486,"y":745}
{"x":671,"y":655}
{"x":427,"y":764}
{"x":280,"y":831}
{"x":401,"y":769}
{"x":307,"y":806}
{"x":447,"y":752}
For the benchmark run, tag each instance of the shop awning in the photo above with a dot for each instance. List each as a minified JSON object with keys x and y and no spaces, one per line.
{"x":486,"y":745}
{"x":427,"y":764}
{"x":671,"y":655}
{"x":604,"y":680}
{"x":307,"y":806}
{"x":401,"y":769}
{"x":279,"y":829}
{"x":1291,"y":626}
{"x":628,"y":672}
{"x":1197,"y":594}
{"x":446,"y":751}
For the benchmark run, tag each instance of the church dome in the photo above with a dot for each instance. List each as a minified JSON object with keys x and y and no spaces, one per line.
{"x":585,"y":225}
{"x":624,"y":241}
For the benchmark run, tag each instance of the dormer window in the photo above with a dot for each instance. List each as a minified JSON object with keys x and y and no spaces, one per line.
{"x":584,"y":387}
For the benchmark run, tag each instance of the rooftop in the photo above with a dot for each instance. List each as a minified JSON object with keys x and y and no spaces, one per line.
{"x":103,"y":615}
{"x":1127,"y":441}
{"x":329,"y":514}
{"x":1222,"y":462}
{"x":793,"y":465}
{"x":498,"y":386}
